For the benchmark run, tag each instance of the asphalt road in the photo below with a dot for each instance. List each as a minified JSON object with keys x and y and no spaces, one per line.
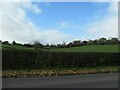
{"x":75,"y":81}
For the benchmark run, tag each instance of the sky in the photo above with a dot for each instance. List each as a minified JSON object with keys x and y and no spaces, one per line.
{"x":55,"y":22}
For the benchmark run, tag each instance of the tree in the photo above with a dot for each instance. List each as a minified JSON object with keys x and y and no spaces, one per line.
{"x":64,"y":44}
{"x":59,"y":45}
{"x":77,"y":43}
{"x":70,"y":44}
{"x":114,"y":41}
{"x":27,"y":45}
{"x":102,"y":41}
{"x":47,"y":45}
{"x":37,"y":45}
{"x":84,"y":43}
{"x":5,"y":42}
{"x":108,"y":41}
{"x":14,"y":43}
{"x":53,"y":45}
{"x":96,"y":42}
{"x":90,"y":42}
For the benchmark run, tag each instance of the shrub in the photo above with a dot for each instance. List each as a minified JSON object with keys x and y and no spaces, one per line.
{"x":26,"y":59}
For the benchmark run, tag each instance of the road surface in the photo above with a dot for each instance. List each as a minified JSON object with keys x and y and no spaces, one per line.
{"x":76,"y":81}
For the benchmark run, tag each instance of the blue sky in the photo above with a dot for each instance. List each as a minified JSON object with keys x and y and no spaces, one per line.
{"x":68,"y":13}
{"x":55,"y":22}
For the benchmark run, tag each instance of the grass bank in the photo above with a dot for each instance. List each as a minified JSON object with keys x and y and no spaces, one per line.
{"x":58,"y":71}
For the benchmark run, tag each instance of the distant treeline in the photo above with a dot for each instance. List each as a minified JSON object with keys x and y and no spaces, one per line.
{"x":37,"y":44}
{"x":13,"y":59}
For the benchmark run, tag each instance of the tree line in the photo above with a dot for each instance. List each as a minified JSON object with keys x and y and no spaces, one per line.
{"x":37,"y":44}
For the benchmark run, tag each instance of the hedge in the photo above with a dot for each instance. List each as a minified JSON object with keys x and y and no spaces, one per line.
{"x":12,"y":59}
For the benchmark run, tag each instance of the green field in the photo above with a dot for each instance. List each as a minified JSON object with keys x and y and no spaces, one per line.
{"x":88,"y":48}
{"x":16,"y":47}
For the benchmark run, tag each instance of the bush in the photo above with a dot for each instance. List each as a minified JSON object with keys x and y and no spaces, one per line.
{"x":26,"y":59}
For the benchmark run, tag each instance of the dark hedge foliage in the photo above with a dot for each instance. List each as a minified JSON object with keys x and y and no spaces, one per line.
{"x":12,"y":59}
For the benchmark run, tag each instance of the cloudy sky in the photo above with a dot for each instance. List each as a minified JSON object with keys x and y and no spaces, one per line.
{"x":55,"y":22}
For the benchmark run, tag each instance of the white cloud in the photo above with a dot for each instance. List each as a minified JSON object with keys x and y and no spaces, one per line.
{"x":113,"y":7}
{"x":55,"y":36}
{"x":107,"y":26}
{"x":15,"y":25}
{"x":34,"y":8}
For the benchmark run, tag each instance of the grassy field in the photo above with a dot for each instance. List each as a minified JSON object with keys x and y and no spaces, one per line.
{"x":89,"y":48}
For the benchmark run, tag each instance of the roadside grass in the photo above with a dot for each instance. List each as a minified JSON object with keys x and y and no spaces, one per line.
{"x":58,"y":71}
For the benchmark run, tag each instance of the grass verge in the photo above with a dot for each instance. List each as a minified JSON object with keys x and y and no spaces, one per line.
{"x":58,"y":71}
